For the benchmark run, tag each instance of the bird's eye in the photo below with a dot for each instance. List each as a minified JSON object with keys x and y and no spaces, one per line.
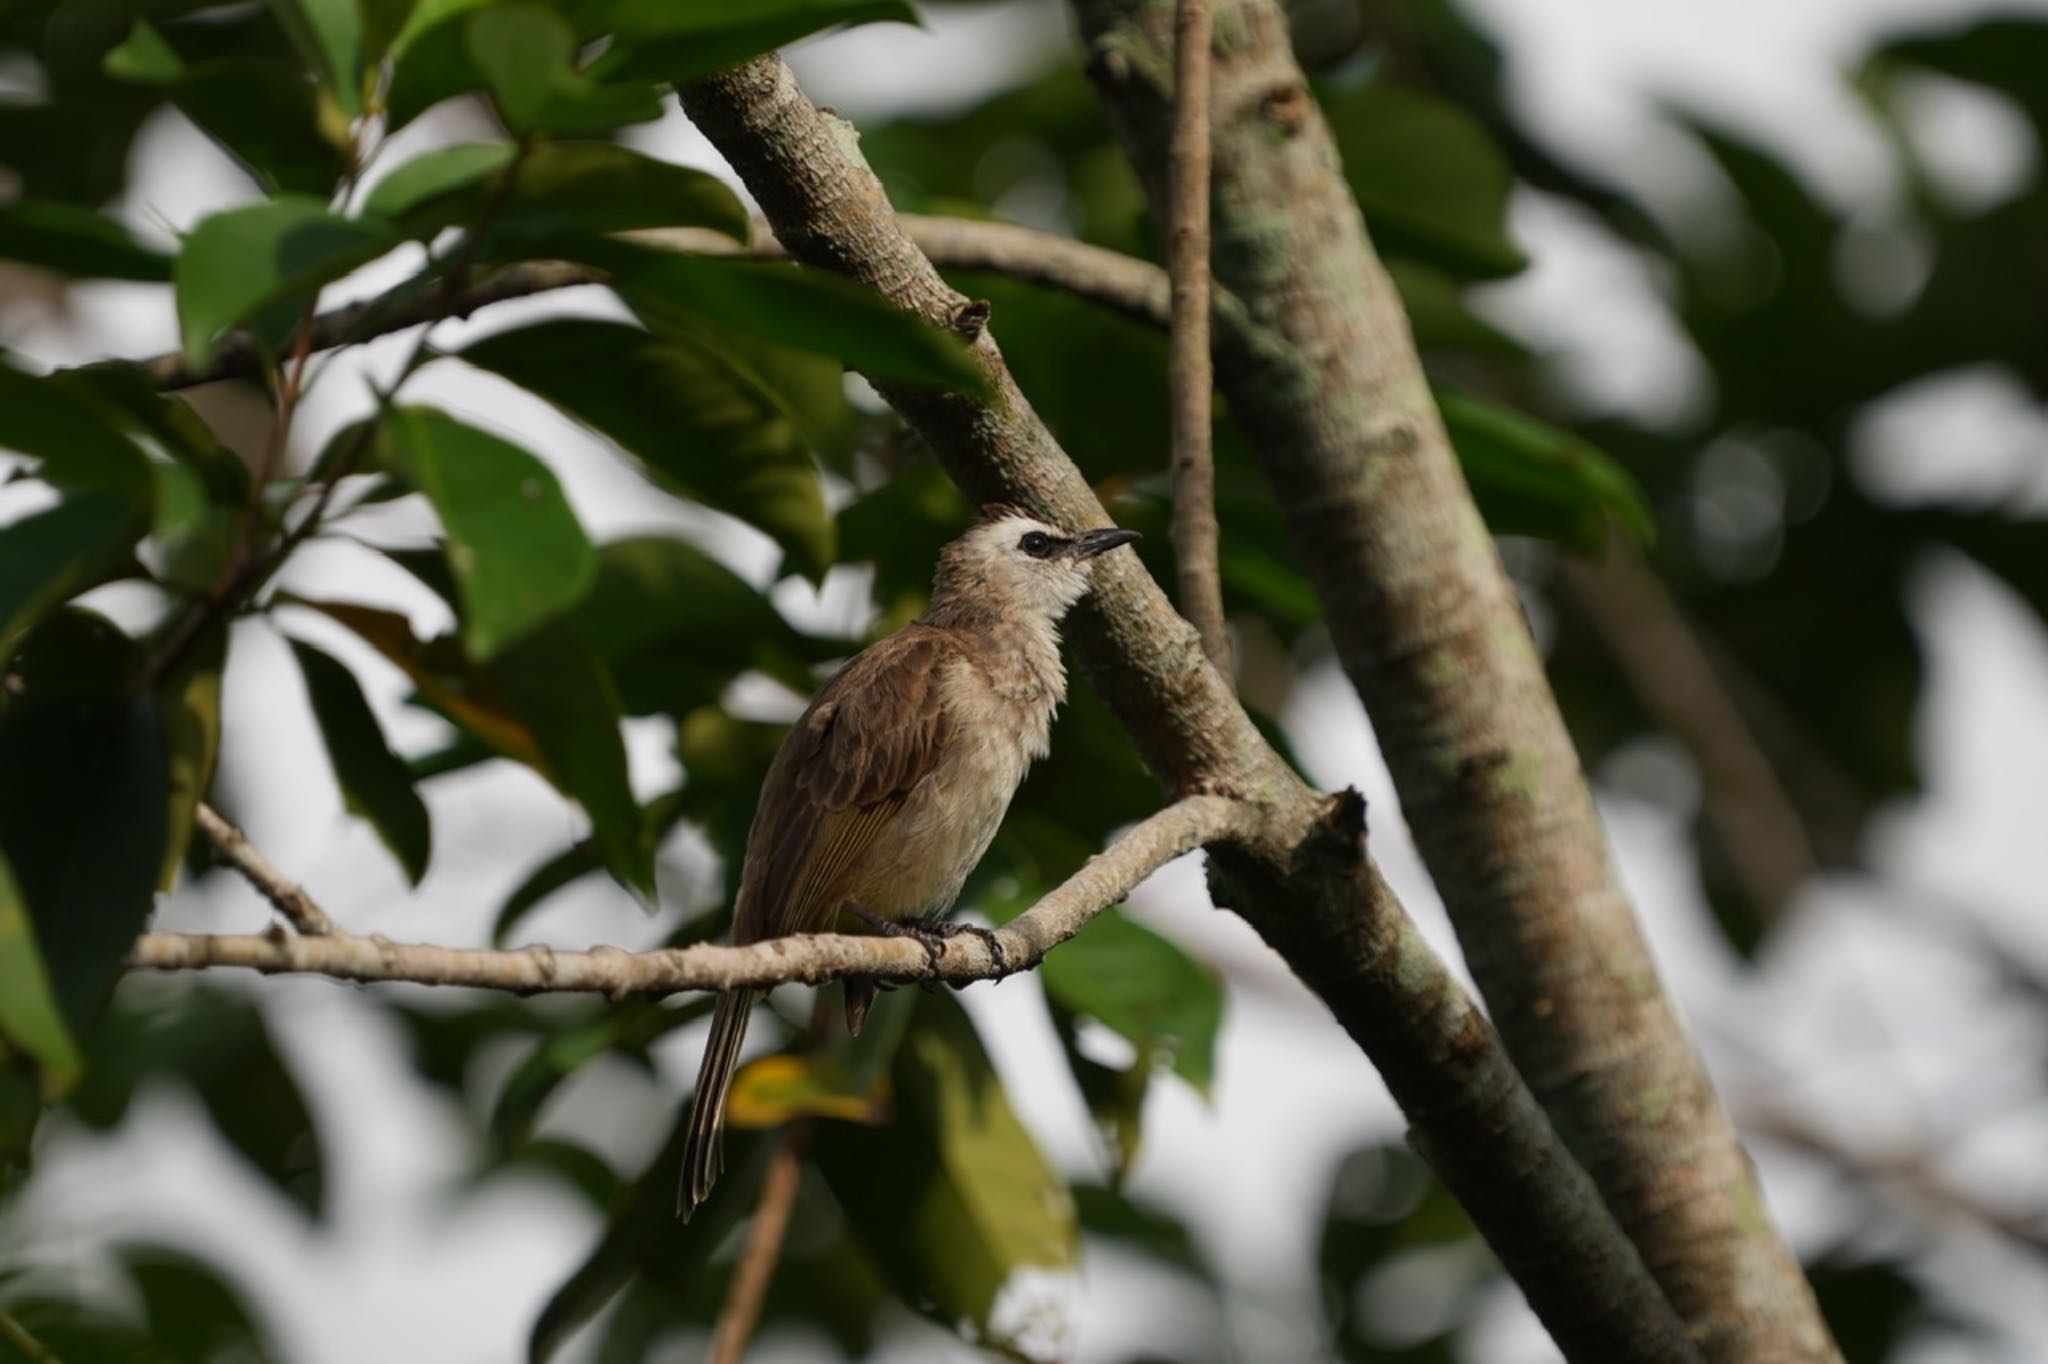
{"x":1036,"y":543}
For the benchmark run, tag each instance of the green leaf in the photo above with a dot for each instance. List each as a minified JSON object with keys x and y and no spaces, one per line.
{"x":626,"y":1030}
{"x":558,"y":686}
{"x":52,"y":556}
{"x":790,"y":305}
{"x":525,"y":55}
{"x":262,"y":265}
{"x":375,"y":782}
{"x":446,"y":679}
{"x":563,"y":869}
{"x":771,"y":1090}
{"x":952,"y":1198}
{"x":329,"y":36}
{"x":82,"y":807}
{"x":430,"y":59}
{"x":78,"y":242}
{"x":1530,"y":478}
{"x":195,"y":1316}
{"x":1430,"y":179}
{"x":1142,"y":987}
{"x":30,"y":1020}
{"x":218,"y":1045}
{"x":189,"y":703}
{"x":166,"y":421}
{"x":519,"y":556}
{"x":697,"y":422}
{"x":559,"y":189}
{"x":677,"y":43}
{"x":74,"y":434}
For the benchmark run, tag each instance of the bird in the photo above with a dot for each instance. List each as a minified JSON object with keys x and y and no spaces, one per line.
{"x":889,"y":788}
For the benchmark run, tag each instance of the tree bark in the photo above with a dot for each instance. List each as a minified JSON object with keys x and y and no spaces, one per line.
{"x":1302,"y":876}
{"x":1328,"y":387}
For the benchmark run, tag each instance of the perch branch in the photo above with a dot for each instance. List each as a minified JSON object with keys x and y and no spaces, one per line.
{"x":809,"y":959}
{"x":1195,"y":532}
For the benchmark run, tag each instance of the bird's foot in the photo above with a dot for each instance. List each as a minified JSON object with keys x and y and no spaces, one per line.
{"x":932,"y":934}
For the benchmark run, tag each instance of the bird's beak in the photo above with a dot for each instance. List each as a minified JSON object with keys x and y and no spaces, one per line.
{"x":1090,"y":543}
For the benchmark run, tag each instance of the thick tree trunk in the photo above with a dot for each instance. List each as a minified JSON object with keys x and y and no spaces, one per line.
{"x":1331,"y":393}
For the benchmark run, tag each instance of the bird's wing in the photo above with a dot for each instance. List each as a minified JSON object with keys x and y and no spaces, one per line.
{"x":872,"y":733}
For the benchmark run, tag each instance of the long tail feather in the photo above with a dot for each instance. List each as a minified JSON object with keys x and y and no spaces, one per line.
{"x":704,"y":1149}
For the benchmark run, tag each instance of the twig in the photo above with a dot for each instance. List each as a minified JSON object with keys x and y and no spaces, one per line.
{"x":809,"y":959}
{"x":17,"y":1336}
{"x":1662,"y":658}
{"x":748,"y":1290}
{"x":1195,"y":532}
{"x":287,"y":897}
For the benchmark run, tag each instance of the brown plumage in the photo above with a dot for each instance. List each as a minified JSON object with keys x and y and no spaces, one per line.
{"x":890,"y":786}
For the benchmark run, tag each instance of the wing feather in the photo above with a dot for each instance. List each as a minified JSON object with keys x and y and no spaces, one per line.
{"x":872,"y":733}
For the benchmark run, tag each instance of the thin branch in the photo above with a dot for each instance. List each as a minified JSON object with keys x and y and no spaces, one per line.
{"x":809,"y":959}
{"x":287,"y":897}
{"x":744,"y":1297}
{"x":1670,"y":673}
{"x":1196,"y":535}
{"x":18,"y":1337}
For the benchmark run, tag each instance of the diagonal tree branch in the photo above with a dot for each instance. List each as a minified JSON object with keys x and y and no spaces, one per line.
{"x":1300,"y":875}
{"x":1334,"y":400}
{"x":286,"y":896}
{"x":1195,"y":532}
{"x":809,"y":959}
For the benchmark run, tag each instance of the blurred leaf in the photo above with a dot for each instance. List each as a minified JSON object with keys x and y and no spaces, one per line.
{"x":30,"y":1020}
{"x":559,"y":189}
{"x":218,"y":1044}
{"x":261,"y":110}
{"x":1115,"y":1095}
{"x":128,"y":399}
{"x":469,"y":697}
{"x":518,"y":554}
{"x":1436,"y":309}
{"x":563,"y":869}
{"x":82,"y":807}
{"x":329,"y":37}
{"x":1871,"y":1309}
{"x":77,"y":242}
{"x":627,"y":1030}
{"x":195,"y":1315}
{"x":790,"y":305}
{"x":563,"y":693}
{"x":74,"y":434}
{"x":699,"y":424}
{"x":261,"y":265}
{"x":1431,"y":181}
{"x":525,"y":55}
{"x":775,"y":1089}
{"x":374,"y":781}
{"x":1533,"y":479}
{"x":51,"y":556}
{"x":679,"y":43}
{"x":953,"y":1197}
{"x":1144,"y":988}
{"x":675,"y":627}
{"x":189,"y":703}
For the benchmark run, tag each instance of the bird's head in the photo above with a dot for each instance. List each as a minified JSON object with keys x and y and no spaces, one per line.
{"x":1013,"y":564}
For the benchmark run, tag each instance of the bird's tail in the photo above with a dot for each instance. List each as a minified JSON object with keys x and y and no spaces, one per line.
{"x":704,"y":1148}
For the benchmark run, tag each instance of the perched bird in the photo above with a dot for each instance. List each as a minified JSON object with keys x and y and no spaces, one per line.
{"x":889,"y":788}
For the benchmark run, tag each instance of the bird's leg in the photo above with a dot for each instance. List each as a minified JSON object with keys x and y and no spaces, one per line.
{"x":933,"y":933}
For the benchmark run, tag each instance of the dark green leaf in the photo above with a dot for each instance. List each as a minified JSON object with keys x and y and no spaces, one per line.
{"x":627,"y":1030}
{"x":329,"y":36}
{"x":790,"y":305}
{"x":50,"y":557}
{"x":696,"y":421}
{"x":189,"y":702}
{"x":77,"y":242}
{"x":262,"y":264}
{"x":525,"y":54}
{"x":952,"y":1198}
{"x":195,"y":1315}
{"x":1105,"y":1212}
{"x":439,"y":188}
{"x":165,"y":421}
{"x":82,"y":807}
{"x":677,"y":43}
{"x":517,"y":552}
{"x":1533,"y":479}
{"x":374,"y":781}
{"x":1431,"y":181}
{"x":74,"y":434}
{"x":30,"y":1020}
{"x":558,"y":686}
{"x":563,"y":869}
{"x":219,"y":1045}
